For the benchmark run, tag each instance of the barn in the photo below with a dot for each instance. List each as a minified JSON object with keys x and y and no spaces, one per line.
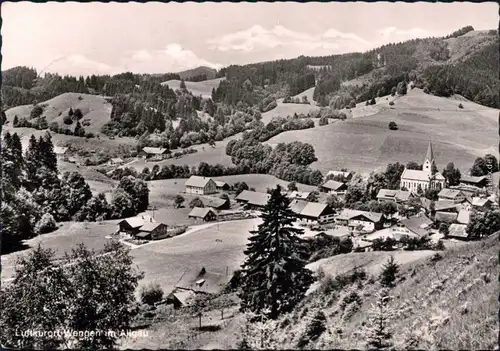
{"x":200,"y":185}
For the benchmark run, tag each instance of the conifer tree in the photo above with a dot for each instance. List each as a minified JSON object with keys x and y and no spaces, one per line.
{"x":389,"y":273}
{"x":47,"y":154}
{"x":32,"y":164}
{"x":274,"y":276}
{"x":378,"y":334}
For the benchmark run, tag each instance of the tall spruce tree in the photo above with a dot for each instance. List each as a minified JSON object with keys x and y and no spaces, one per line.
{"x":274,"y":276}
{"x":378,"y":334}
{"x":389,"y":273}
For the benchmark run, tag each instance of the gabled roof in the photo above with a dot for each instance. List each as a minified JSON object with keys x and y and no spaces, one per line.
{"x":472,"y":179}
{"x":297,"y":206}
{"x":445,"y":205}
{"x":60,"y":150}
{"x":418,"y":224}
{"x":150,"y":226}
{"x":202,"y":281}
{"x":182,"y":296}
{"x":197,"y":181}
{"x":220,"y":184}
{"x":154,"y":150}
{"x":394,"y":194}
{"x":313,"y":209}
{"x":333,"y":185}
{"x":448,"y":217}
{"x":298,"y":195}
{"x":480,"y":201}
{"x":116,"y":160}
{"x":449,"y":193}
{"x":214,"y":202}
{"x":463,"y":217}
{"x":138,"y":221}
{"x":348,"y":214}
{"x":458,"y":230}
{"x":338,"y":173}
{"x":253,"y":197}
{"x":200,"y":212}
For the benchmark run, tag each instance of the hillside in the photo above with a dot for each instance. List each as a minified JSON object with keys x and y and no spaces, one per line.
{"x":203,"y":88}
{"x":210,"y":73}
{"x":95,"y":108}
{"x":458,"y":135}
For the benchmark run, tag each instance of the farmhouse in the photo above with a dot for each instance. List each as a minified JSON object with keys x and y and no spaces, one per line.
{"x":334,"y":187}
{"x":153,"y":231}
{"x":312,"y":211}
{"x":451,"y":195}
{"x":458,"y":231}
{"x":369,"y":221}
{"x":253,"y":199}
{"x":115,"y":161}
{"x":216,"y":203}
{"x":221,"y":186}
{"x":477,"y":182}
{"x":200,"y":185}
{"x":428,"y":178}
{"x":180,"y":298}
{"x":397,"y":196}
{"x":413,"y":227}
{"x":61,"y":152}
{"x":155,"y":153}
{"x":202,"y":281}
{"x":133,"y":225}
{"x":205,"y":214}
{"x":481,"y":204}
{"x":299,"y":195}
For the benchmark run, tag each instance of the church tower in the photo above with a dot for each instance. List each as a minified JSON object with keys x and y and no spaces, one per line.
{"x":429,"y":163}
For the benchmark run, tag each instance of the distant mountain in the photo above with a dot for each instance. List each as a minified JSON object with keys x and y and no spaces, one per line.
{"x":196,"y":74}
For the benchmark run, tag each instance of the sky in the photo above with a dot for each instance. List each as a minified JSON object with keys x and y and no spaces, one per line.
{"x":109,"y":38}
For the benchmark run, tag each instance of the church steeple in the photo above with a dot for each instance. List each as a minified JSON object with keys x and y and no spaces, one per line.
{"x":429,"y":162}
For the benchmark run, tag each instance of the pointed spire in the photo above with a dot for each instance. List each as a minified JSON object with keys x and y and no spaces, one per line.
{"x":430,"y":155}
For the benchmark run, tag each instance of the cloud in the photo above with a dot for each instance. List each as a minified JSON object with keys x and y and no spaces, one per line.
{"x":78,"y":64}
{"x":260,"y":38}
{"x":393,"y":32}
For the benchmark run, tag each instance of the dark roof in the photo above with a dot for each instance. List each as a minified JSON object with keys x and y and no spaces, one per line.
{"x":200,"y":212}
{"x":202,"y":281}
{"x":446,"y":217}
{"x":143,"y":234}
{"x":253,"y":197}
{"x":418,"y":224}
{"x":333,"y":185}
{"x":350,"y":214}
{"x":472,"y":179}
{"x":445,"y":205}
{"x":149,"y":227}
{"x":197,"y":181}
{"x":138,"y":221}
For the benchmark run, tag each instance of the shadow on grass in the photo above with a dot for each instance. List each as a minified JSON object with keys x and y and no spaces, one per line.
{"x":8,"y":248}
{"x":209,"y":328}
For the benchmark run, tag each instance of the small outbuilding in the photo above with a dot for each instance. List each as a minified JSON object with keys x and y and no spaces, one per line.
{"x":205,"y":214}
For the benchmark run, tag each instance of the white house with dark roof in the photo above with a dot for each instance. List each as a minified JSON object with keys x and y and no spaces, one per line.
{"x":156,"y":153}
{"x":206,"y":214}
{"x":312,"y":211}
{"x":369,"y":221}
{"x":413,"y":179}
{"x":132,"y":225}
{"x":200,"y":185}
{"x":221,"y":186}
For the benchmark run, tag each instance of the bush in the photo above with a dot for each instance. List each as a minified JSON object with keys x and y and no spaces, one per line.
{"x":67,"y":120}
{"x":78,"y":114}
{"x":393,"y":125}
{"x":391,"y":103}
{"x":46,"y":224}
{"x":36,"y":112}
{"x":460,"y":106}
{"x":314,"y":329}
{"x":151,"y":294}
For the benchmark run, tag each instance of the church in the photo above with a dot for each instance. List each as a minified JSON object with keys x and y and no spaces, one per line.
{"x":427,"y":178}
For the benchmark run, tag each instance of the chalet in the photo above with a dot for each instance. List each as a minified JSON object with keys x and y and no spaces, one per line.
{"x":221,"y":186}
{"x":115,"y":161}
{"x":203,"y":281}
{"x":205,"y":214}
{"x":152,"y":230}
{"x":334,"y":187}
{"x":299,"y":195}
{"x":458,"y":231}
{"x":216,"y":203}
{"x":397,"y":196}
{"x":477,"y":182}
{"x":413,"y":227}
{"x":133,"y":225}
{"x":312,"y":211}
{"x":154,"y":153}
{"x":200,"y":185}
{"x":369,"y":221}
{"x":481,"y":203}
{"x":451,"y":195}
{"x":253,"y":199}
{"x":61,"y":153}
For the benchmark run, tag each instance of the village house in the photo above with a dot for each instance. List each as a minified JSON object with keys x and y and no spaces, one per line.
{"x":397,"y":196}
{"x":446,"y":211}
{"x":312,"y":212}
{"x":203,"y":281}
{"x":115,"y":161}
{"x":334,"y":187}
{"x":451,"y":195}
{"x":205,"y":214}
{"x":481,"y":204}
{"x":132,"y":225}
{"x":458,"y":231}
{"x":200,"y":185}
{"x":354,"y":219}
{"x":299,"y":195}
{"x":180,"y":298}
{"x":61,"y":153}
{"x":414,"y":227}
{"x":413,"y":179}
{"x":153,"y":153}
{"x":216,"y":203}
{"x":221,"y":186}
{"x":476,"y":182}
{"x":152,"y":231}
{"x":253,"y":199}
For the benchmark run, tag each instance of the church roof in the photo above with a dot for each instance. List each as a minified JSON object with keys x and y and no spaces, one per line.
{"x":430,"y":154}
{"x":414,"y":174}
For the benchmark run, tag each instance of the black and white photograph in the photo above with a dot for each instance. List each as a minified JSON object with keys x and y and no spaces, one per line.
{"x":249,"y":176}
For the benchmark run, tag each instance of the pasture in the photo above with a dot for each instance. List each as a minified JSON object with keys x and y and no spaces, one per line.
{"x":366,"y":144}
{"x":285,"y":110}
{"x":203,"y":88}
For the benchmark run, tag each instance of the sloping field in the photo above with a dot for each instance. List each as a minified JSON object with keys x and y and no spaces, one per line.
{"x":468,"y":43}
{"x":203,"y":88}
{"x":95,"y":108}
{"x":284,"y":110}
{"x":365,"y":144}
